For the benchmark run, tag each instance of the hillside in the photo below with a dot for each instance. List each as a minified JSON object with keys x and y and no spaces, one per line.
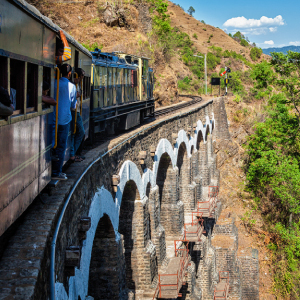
{"x":127,"y":26}
{"x":284,"y":50}
{"x":191,"y":26}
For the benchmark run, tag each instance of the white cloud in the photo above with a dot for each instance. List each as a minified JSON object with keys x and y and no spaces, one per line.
{"x":242,"y":22}
{"x":269,"y":42}
{"x":297,"y":43}
{"x":273,"y":29}
{"x":250,"y":31}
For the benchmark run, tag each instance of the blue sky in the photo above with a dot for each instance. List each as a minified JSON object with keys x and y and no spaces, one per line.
{"x":268,"y":23}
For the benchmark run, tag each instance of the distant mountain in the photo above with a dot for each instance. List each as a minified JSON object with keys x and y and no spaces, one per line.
{"x":284,"y":50}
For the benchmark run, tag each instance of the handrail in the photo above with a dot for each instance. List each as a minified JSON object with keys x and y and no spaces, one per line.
{"x":81,"y":97}
{"x":62,"y":213}
{"x":56,"y":112}
{"x":76,"y":105}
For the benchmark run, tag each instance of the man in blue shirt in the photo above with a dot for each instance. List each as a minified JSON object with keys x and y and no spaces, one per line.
{"x":66,"y":101}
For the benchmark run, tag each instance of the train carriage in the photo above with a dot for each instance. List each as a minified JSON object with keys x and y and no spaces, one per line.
{"x":121,"y":99}
{"x":27,"y":57}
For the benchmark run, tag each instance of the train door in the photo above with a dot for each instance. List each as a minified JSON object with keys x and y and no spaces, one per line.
{"x":125,"y":85}
{"x":101,"y":89}
{"x":109,"y":86}
{"x":119,"y":89}
{"x":130,"y":86}
{"x":96,"y":87}
{"x":122,"y":85}
{"x":144,"y":78}
{"x":105,"y":86}
{"x":138,"y":83}
{"x":114,"y":88}
{"x":135,"y":86}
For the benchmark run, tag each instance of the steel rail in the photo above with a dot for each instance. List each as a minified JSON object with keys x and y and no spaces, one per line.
{"x":174,"y":108}
{"x":62,"y":213}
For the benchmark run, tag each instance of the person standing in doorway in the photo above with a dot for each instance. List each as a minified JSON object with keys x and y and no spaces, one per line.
{"x":66,"y":102}
{"x":77,"y":137}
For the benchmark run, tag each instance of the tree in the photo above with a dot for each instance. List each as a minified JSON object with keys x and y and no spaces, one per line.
{"x":191,"y":10}
{"x":255,"y":53}
{"x":288,"y":67}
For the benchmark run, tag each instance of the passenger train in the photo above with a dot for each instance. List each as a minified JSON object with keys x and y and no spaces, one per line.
{"x":117,"y":95}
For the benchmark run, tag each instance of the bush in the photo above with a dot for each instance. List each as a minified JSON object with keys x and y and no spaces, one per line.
{"x":212,"y":61}
{"x":255,"y":53}
{"x":195,"y":36}
{"x":226,"y":54}
{"x":244,"y":43}
{"x":263,"y":75}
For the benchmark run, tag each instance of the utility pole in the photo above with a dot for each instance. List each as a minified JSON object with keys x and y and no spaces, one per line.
{"x":205,"y":71}
{"x":205,"y":67}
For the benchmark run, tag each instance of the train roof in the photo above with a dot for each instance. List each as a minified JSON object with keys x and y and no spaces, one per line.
{"x":37,"y":15}
{"x":110,"y":60}
{"x":132,"y":55}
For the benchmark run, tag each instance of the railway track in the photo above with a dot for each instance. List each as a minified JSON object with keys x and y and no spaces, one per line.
{"x":174,"y":108}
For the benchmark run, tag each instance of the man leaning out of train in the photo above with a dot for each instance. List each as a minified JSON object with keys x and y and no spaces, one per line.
{"x":45,"y":97}
{"x":67,"y":101}
{"x":6,"y":107}
{"x":77,"y":137}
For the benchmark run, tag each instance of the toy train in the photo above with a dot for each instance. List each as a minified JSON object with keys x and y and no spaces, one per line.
{"x":117,"y":95}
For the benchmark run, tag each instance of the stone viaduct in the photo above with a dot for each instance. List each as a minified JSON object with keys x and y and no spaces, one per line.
{"x":160,"y":173}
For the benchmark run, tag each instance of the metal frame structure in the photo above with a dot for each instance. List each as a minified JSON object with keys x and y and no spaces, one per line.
{"x":183,"y":253}
{"x":222,"y":289}
{"x":195,"y":228}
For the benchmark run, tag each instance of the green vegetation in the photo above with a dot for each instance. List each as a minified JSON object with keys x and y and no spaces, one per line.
{"x":255,"y":53}
{"x":195,"y":36}
{"x":238,"y":36}
{"x":191,"y":10}
{"x":91,"y":47}
{"x":273,"y":167}
{"x":90,"y":23}
{"x":263,"y":76}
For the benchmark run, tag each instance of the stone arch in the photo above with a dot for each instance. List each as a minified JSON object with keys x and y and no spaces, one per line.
{"x":131,"y":228}
{"x":163,"y":147}
{"x":184,"y":176}
{"x":171,"y":214}
{"x":106,"y":278}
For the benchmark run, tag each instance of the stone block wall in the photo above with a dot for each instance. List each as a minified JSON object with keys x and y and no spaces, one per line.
{"x":249,"y":270}
{"x":221,"y":127}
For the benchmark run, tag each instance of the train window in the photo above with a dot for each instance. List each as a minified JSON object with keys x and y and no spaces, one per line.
{"x":76,"y":59}
{"x":134,"y":78}
{"x":3,"y":72}
{"x":17,"y":83}
{"x":105,"y":77}
{"x":47,"y":78}
{"x":114,"y":73}
{"x":86,"y":87}
{"x":101,"y":76}
{"x":109,"y":77}
{"x":32,"y":87}
{"x":97,"y":71}
{"x":125,"y":76}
